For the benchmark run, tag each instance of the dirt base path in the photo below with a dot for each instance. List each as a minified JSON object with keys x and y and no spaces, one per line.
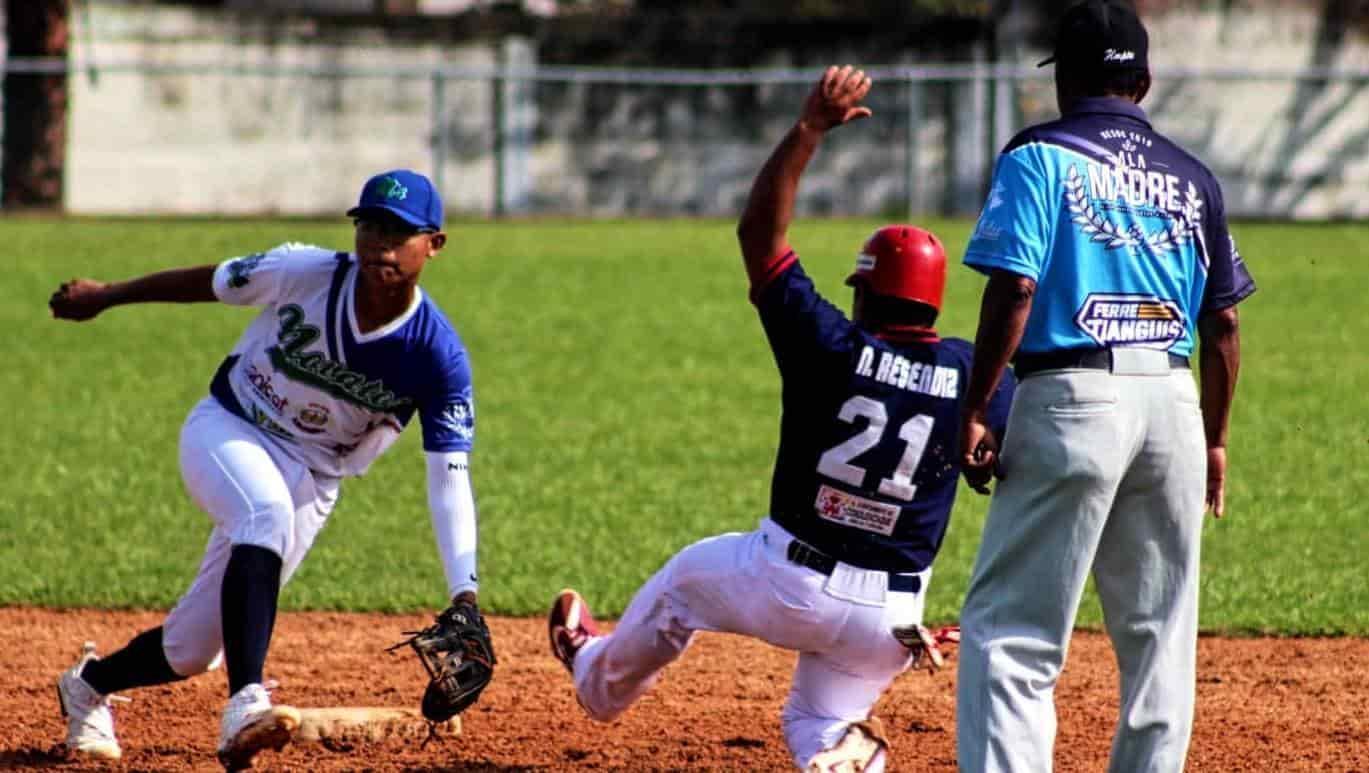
{"x":1263,"y":704}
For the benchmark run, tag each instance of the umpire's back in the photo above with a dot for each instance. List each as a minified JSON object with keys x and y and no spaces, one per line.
{"x":1123,"y":232}
{"x":1128,"y":244}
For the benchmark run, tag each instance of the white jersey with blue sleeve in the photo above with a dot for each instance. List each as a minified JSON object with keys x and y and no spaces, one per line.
{"x":1124,"y":233}
{"x":333,"y":396}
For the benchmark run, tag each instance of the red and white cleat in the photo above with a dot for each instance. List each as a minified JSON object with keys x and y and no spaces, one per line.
{"x":570,"y":626}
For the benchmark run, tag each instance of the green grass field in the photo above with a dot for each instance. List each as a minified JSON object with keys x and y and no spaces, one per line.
{"x":628,"y":405}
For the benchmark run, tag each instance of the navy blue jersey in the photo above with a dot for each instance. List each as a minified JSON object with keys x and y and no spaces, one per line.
{"x":868,"y":458}
{"x":1124,"y":233}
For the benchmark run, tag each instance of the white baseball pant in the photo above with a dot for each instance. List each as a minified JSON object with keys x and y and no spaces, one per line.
{"x":1103,"y":472}
{"x":255,"y":494}
{"x":743,"y":583}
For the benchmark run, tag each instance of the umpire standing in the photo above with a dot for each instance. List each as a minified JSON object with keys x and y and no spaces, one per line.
{"x":1107,"y":252}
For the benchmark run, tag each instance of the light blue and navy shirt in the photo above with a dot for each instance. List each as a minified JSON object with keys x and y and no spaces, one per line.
{"x":333,"y":395}
{"x":868,"y":459}
{"x":1123,"y":232}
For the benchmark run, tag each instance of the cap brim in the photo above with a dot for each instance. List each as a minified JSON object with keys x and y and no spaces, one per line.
{"x":399,"y":213}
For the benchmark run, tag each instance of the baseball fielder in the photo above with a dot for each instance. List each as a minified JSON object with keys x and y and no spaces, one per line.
{"x":346,"y":351}
{"x":865,"y":476}
{"x":1107,"y":251}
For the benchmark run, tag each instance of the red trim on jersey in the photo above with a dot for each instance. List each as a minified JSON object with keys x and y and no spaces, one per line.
{"x":761,"y":276}
{"x":907,"y":334}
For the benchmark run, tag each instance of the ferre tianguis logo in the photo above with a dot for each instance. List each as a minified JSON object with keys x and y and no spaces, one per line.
{"x":1125,"y":319}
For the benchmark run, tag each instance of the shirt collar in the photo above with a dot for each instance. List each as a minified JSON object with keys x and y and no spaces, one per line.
{"x":907,"y":334}
{"x":1110,"y":106}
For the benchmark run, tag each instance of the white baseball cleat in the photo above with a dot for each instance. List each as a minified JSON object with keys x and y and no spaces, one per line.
{"x":251,"y":724}
{"x":569,"y":627}
{"x":863,"y":744}
{"x":90,"y":723}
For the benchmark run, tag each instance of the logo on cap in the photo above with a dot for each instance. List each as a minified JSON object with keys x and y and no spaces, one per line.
{"x":391,"y":188}
{"x":1100,"y":33}
{"x":405,"y":194}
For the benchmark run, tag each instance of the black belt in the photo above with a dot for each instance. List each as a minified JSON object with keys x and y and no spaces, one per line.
{"x":818,"y":561}
{"x":1091,"y":359}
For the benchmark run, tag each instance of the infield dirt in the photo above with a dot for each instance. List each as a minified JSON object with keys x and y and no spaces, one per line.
{"x":1263,"y":704}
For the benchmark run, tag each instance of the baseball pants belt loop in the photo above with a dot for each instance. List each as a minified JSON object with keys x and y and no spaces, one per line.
{"x":1027,"y":364}
{"x":812,"y":558}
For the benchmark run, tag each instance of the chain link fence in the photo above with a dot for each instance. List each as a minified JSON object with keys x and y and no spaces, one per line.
{"x":509,"y":137}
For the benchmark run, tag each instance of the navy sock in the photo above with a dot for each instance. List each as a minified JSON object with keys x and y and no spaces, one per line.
{"x":141,"y":663}
{"x":251,"y":585}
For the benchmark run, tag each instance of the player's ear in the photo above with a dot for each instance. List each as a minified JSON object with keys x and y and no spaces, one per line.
{"x":1143,"y":87}
{"x":435,"y":243}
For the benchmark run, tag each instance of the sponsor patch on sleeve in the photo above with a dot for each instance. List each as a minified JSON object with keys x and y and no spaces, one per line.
{"x":858,"y":512}
{"x":987,"y":230}
{"x":1122,"y":319}
{"x":459,"y":418}
{"x":240,"y":270}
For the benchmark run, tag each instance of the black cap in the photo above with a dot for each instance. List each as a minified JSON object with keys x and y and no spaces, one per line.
{"x":1100,"y":34}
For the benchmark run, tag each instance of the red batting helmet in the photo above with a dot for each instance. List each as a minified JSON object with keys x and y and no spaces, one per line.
{"x":902,"y":261}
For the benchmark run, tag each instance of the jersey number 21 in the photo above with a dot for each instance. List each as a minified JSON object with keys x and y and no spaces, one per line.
{"x":835,"y":461}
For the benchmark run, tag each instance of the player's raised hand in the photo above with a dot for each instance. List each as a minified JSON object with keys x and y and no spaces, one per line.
{"x":79,"y":299}
{"x":836,"y":98}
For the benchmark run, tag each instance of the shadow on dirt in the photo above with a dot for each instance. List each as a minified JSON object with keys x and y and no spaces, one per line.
{"x":20,"y":759}
{"x":474,"y":767}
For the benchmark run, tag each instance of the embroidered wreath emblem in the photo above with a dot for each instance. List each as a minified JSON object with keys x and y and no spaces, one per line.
{"x":1100,"y":229}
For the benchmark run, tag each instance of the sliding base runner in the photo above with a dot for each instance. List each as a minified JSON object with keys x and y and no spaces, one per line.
{"x":864,"y":479}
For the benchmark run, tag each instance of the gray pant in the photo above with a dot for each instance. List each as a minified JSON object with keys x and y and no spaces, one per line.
{"x":1103,"y":472}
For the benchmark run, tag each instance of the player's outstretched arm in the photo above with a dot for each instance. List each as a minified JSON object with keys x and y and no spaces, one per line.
{"x":764,"y":224}
{"x":82,"y":299}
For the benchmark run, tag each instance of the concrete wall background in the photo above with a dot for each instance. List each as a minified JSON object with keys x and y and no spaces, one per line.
{"x":248,"y":143}
{"x":219,"y":143}
{"x":1280,"y":147}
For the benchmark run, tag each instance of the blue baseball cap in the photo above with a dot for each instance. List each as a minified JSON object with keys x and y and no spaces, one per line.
{"x":404,"y":193}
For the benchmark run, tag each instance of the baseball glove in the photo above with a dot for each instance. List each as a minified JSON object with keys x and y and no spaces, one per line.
{"x":926,"y":645}
{"x":457,"y":654}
